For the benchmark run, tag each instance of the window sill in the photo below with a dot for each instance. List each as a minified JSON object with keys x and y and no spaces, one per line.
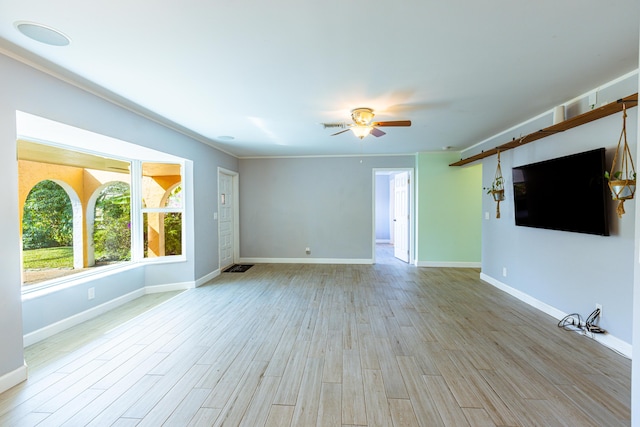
{"x":54,"y":285}
{"x":164,"y":260}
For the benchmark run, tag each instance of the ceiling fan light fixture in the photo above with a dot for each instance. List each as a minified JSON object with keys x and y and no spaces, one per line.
{"x":361,"y":131}
{"x":362,"y":116}
{"x":364,"y":125}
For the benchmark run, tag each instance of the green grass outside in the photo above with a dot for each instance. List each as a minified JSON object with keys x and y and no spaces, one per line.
{"x":60,"y":257}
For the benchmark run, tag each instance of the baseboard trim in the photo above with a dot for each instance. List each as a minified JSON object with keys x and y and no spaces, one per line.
{"x":536,"y":303}
{"x":54,"y":328}
{"x":13,"y":378}
{"x":169,"y":287}
{"x":207,"y":278}
{"x":607,"y":340}
{"x":448,"y":264}
{"x":305,"y":261}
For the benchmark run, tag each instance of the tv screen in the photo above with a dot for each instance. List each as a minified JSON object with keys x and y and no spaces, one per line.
{"x":568,"y":193}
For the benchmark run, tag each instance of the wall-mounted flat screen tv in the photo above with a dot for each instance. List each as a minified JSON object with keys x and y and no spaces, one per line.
{"x":567,"y":193}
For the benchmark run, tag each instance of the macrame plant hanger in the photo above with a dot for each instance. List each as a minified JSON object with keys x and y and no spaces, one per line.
{"x":498,"y":187}
{"x":622,"y":181}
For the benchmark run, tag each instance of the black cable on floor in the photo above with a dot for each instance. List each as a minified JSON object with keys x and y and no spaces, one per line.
{"x":573,"y":322}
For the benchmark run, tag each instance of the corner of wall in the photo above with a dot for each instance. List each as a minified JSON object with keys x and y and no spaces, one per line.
{"x":13,"y":378}
{"x":449,"y":209}
{"x":607,"y":340}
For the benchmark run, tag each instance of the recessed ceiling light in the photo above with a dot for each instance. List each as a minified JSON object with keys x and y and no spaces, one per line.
{"x":42,"y":33}
{"x":226,"y":138}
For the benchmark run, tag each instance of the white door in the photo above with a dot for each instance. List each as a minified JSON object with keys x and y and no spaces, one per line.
{"x":401,"y":216}
{"x":226,"y":218}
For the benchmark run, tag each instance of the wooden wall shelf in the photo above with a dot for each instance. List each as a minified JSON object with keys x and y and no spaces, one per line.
{"x":595,"y":114}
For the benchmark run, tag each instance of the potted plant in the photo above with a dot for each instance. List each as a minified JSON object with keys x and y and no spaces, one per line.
{"x":622,"y":187}
{"x":496,"y":190}
{"x":622,"y":178}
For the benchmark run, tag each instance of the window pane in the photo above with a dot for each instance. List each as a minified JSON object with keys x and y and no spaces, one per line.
{"x":75,"y":211}
{"x":173,"y":233}
{"x":162,"y":234}
{"x":112,"y":229}
{"x":158,"y":179}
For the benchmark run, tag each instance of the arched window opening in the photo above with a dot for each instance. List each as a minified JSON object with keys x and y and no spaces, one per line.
{"x":49,"y":222}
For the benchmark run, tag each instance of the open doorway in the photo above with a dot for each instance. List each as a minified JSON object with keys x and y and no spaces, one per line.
{"x":227,"y":218}
{"x":393,"y":215}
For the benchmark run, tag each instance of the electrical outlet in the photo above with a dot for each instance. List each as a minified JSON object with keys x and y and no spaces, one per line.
{"x":504,"y":271}
{"x":91,"y":294}
{"x":308,"y":251}
{"x":599,"y":307}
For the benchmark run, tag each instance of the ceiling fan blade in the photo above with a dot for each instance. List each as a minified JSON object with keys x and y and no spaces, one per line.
{"x":338,"y":133}
{"x":334,"y":125}
{"x":377,"y":132}
{"x":393,"y":123}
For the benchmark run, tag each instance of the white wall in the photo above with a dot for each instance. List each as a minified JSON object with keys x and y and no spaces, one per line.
{"x":325,"y":203}
{"x":383,"y":220}
{"x":11,"y":356}
{"x":568,"y":272}
{"x":26,"y":89}
{"x":635,"y":365}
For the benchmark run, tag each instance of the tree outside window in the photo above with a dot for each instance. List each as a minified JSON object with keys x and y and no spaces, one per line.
{"x":48,"y":217}
{"x":112,"y":226}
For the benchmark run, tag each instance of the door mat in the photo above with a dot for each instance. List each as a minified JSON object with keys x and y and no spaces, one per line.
{"x":238,"y":268}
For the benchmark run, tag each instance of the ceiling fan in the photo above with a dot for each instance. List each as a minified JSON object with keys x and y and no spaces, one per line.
{"x":364,"y":125}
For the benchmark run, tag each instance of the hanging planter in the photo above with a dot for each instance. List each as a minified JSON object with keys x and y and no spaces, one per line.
{"x":496,"y":190}
{"x":622,"y":178}
{"x":498,"y":195}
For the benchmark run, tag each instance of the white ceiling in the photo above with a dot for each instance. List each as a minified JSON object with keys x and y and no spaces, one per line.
{"x":268,"y":72}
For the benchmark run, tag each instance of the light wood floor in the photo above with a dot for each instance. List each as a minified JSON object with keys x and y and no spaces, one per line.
{"x":325,"y":345}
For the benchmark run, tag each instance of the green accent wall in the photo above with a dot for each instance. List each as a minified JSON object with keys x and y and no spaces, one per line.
{"x":449,"y":210}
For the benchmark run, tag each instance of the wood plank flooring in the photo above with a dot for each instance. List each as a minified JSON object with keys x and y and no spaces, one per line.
{"x":325,"y":345}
